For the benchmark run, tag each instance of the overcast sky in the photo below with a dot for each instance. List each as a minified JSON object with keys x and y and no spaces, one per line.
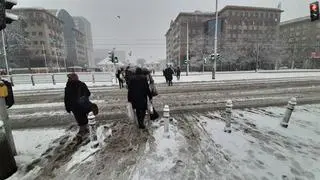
{"x":143,"y":23}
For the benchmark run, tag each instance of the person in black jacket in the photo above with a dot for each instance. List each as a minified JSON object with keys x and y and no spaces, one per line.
{"x":75,"y":91}
{"x":169,"y":74}
{"x":178,"y":73}
{"x":120,"y":77}
{"x":138,"y":93}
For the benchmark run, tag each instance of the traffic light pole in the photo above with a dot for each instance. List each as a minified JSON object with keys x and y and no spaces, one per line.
{"x":215,"y":44}
{"x":187,"y":72}
{"x":4,"y":52}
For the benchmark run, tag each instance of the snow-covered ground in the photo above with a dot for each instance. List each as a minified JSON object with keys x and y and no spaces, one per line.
{"x":30,"y":144}
{"x":206,"y":77}
{"x":196,"y":148}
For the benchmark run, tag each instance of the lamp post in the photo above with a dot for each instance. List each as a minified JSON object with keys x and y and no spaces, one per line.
{"x":215,"y":44}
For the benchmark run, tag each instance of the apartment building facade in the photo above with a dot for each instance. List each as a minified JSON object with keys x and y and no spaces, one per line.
{"x":301,"y":39}
{"x":40,"y":34}
{"x":84,"y":26}
{"x":243,"y":32}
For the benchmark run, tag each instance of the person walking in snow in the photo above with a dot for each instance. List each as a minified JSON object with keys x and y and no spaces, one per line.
{"x":120,"y":76}
{"x":138,"y":93}
{"x":76,"y":100}
{"x":169,"y":74}
{"x":178,"y":73}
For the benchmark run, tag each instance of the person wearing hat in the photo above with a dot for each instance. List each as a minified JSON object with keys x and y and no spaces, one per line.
{"x":76,"y":100}
{"x":138,"y":93}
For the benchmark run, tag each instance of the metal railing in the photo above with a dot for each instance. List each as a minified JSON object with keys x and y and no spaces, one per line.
{"x":36,"y":79}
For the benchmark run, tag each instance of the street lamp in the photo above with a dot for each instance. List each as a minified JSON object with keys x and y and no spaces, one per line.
{"x":215,"y":44}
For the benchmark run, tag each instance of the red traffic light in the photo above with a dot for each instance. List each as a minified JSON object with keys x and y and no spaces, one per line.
{"x":314,"y":11}
{"x":314,"y":7}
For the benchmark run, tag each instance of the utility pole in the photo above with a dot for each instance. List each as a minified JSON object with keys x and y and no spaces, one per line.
{"x":257,"y":58}
{"x":215,"y":44}
{"x":45,"y":58}
{"x":5,"y":117}
{"x":5,"y":52}
{"x":187,"y":72}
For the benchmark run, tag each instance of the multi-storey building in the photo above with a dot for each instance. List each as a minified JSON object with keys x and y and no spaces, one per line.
{"x":81,"y":48}
{"x":83,"y":25}
{"x":243,"y":33}
{"x":301,"y":42}
{"x":248,"y":33}
{"x":176,"y":36}
{"x":40,"y":35}
{"x":71,"y":37}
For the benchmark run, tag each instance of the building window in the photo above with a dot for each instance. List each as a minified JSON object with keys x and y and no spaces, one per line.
{"x":40,"y":34}
{"x":44,"y":51}
{"x":34,"y":33}
{"x":42,"y":43}
{"x":35,"y":42}
{"x":36,"y":52}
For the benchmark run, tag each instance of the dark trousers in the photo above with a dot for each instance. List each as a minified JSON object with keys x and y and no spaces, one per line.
{"x":141,"y":113}
{"x":120,"y":83}
{"x":170,"y":81}
{"x":80,"y":117}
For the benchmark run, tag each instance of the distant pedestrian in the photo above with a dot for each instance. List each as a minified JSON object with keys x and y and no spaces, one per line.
{"x":127,"y":75}
{"x":169,"y":74}
{"x":76,"y":100}
{"x":138,"y":93}
{"x":120,"y":76}
{"x":178,"y":73}
{"x":165,"y":75}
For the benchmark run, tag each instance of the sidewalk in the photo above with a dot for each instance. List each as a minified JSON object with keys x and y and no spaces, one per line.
{"x":206,"y":77}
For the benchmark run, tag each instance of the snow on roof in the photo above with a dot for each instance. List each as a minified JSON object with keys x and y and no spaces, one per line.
{"x":12,"y":1}
{"x":12,"y":16}
{"x":107,"y":61}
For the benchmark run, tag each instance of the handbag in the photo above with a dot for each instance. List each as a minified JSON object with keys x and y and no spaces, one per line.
{"x":153,"y":89}
{"x":154,"y":115}
{"x":130,"y":112}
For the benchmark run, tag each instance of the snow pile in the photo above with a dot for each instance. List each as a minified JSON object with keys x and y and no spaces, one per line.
{"x":30,"y":144}
{"x":261,"y":149}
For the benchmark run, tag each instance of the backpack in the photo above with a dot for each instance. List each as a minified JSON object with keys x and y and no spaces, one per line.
{"x":86,"y":105}
{"x":10,"y":98}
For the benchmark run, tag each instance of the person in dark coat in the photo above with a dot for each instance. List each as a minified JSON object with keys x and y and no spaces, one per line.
{"x":75,"y":89}
{"x":178,"y":73}
{"x":165,"y":75}
{"x":120,"y":77}
{"x":169,"y":74}
{"x":138,"y":93}
{"x":127,"y":75}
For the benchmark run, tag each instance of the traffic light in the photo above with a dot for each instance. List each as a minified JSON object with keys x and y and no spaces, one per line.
{"x":186,"y":61}
{"x":111,"y":56}
{"x":212,"y":56}
{"x":314,"y":11}
{"x":5,"y":17}
{"x":115,"y":60}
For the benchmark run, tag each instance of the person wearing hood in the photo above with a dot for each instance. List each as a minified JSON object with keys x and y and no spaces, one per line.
{"x":75,"y":91}
{"x":138,"y":93}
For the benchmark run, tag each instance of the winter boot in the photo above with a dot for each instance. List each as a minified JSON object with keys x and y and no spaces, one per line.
{"x":83,"y":132}
{"x":141,"y":124}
